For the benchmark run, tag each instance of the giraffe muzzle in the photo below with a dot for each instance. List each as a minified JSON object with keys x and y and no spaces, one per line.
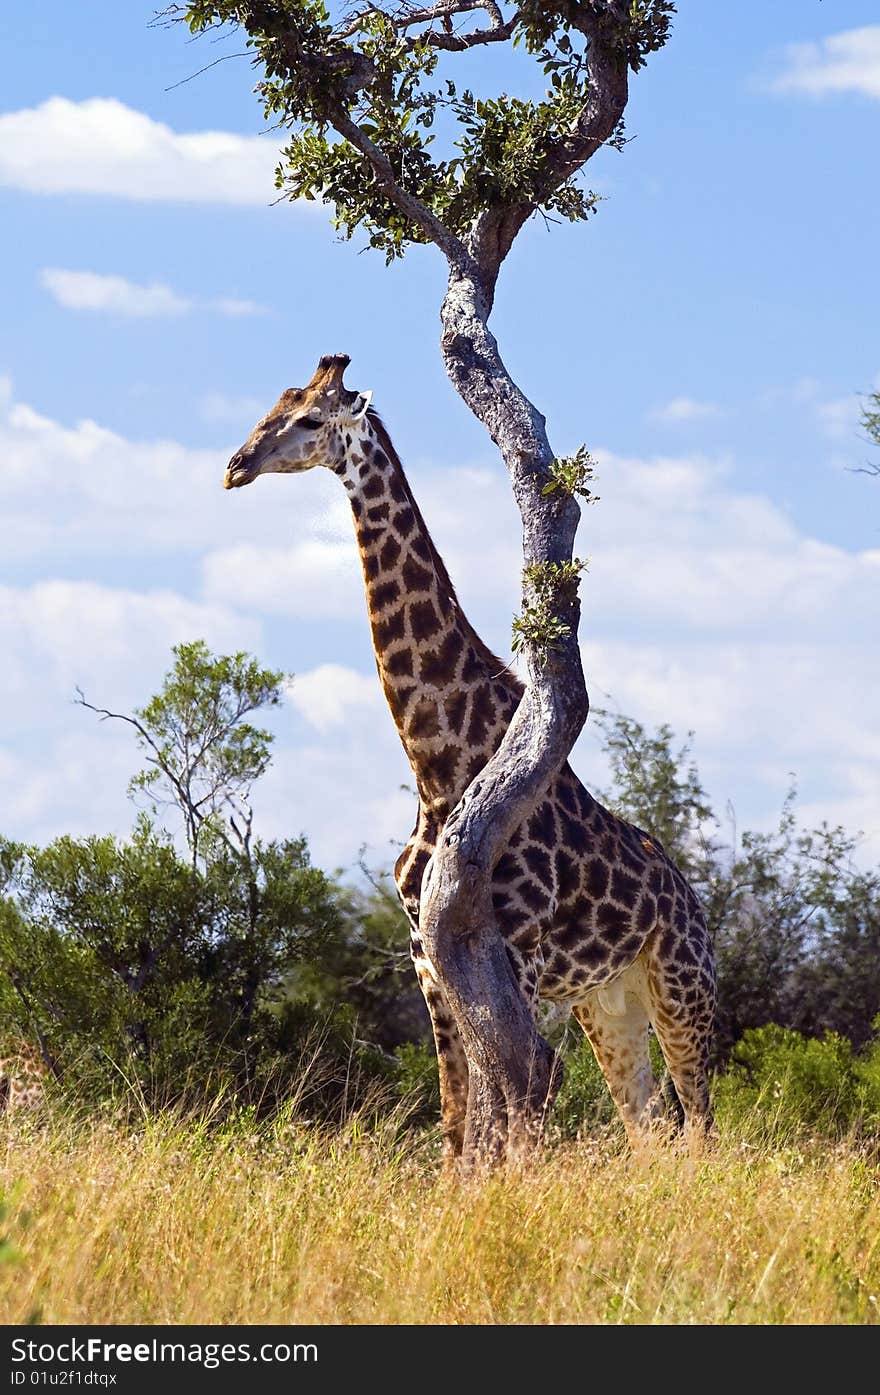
{"x":238,"y":472}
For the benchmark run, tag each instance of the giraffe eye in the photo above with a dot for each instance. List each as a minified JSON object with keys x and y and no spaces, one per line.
{"x":310,"y":423}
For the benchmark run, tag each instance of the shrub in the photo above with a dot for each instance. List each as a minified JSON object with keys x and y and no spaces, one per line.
{"x":583,"y":1103}
{"x":790,"y":1084}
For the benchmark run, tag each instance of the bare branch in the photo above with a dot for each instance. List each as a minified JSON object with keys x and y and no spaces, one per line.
{"x":207,"y":67}
{"x":453,"y":42}
{"x":444,"y":9}
{"x":104,"y":713}
{"x":456,"y":43}
{"x":407,"y":16}
{"x":180,"y":782}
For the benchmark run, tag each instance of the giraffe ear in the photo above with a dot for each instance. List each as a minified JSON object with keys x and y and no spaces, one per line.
{"x":360,"y":405}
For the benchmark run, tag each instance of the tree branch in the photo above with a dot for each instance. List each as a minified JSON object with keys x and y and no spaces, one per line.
{"x":443,"y":10}
{"x":493,"y":232}
{"x":194,"y":819}
{"x":457,"y":43}
{"x":452,"y":248}
{"x":156,"y":760}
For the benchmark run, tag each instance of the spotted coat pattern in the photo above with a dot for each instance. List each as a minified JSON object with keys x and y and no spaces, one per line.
{"x":22,"y":1078}
{"x":593,"y":912}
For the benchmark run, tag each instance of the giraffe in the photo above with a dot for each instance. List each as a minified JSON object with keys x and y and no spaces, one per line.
{"x":22,"y":1077}
{"x":594,"y":915}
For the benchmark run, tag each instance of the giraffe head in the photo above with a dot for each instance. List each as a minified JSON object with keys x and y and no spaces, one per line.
{"x":306,"y":427}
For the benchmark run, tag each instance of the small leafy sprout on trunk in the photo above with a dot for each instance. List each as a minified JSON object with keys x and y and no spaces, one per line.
{"x":570,"y":474}
{"x":550,"y":585}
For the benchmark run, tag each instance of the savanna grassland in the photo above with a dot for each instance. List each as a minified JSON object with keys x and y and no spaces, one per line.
{"x":172,"y":1221}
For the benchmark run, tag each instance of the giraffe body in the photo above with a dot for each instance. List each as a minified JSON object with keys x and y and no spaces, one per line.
{"x":22,"y":1078}
{"x":592,"y":911}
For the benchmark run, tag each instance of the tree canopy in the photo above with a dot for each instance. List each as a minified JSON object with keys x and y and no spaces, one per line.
{"x":202,"y":756}
{"x":382,"y":131}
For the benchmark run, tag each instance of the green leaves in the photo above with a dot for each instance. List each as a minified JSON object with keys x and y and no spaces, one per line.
{"x":569,"y":474}
{"x":871,"y":424}
{"x":549,"y":586}
{"x":655,"y":786}
{"x":134,"y":966}
{"x":202,"y":754}
{"x":634,"y":27}
{"x":505,"y":146}
{"x":459,"y":156}
{"x":649,"y":25}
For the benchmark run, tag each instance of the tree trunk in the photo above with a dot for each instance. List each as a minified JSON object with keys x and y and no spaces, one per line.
{"x":513,"y":1071}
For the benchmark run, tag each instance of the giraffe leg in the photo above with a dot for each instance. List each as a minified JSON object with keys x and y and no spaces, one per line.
{"x":452,"y":1066}
{"x":620,"y":1040}
{"x":682,"y":1007}
{"x":527,"y":965}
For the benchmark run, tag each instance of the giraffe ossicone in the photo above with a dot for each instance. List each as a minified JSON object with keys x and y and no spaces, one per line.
{"x":592,"y":911}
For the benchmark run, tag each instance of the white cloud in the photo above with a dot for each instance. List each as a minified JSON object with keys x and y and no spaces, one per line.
{"x":87,"y":290}
{"x":347,"y":792}
{"x":60,"y":769}
{"x":704,"y":606}
{"x":839,"y":417}
{"x":315,"y":578}
{"x":91,"y":290}
{"x":767,"y":648}
{"x":805,"y":390}
{"x":102,"y":146}
{"x":234,"y":307}
{"x":55,"y":634}
{"x":672,"y":544}
{"x":762,"y":712}
{"x":85,"y":491}
{"x":326,"y":695}
{"x":685,"y":409}
{"x":845,"y":62}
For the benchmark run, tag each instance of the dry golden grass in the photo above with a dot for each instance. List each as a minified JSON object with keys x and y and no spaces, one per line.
{"x":170,"y":1223}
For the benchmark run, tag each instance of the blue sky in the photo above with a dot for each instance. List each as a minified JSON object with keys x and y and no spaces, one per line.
{"x":707,"y":334}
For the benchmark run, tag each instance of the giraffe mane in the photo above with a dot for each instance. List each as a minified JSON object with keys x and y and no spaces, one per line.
{"x":501,"y":669}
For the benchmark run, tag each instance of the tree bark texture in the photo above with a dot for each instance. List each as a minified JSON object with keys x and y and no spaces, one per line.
{"x":513,"y":1071}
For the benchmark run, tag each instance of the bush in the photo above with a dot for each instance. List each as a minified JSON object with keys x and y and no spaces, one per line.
{"x":583,"y":1103}
{"x":418,"y":1082}
{"x":789,"y":1084}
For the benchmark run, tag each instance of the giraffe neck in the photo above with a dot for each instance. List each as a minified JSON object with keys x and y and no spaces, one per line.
{"x":450,"y":697}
